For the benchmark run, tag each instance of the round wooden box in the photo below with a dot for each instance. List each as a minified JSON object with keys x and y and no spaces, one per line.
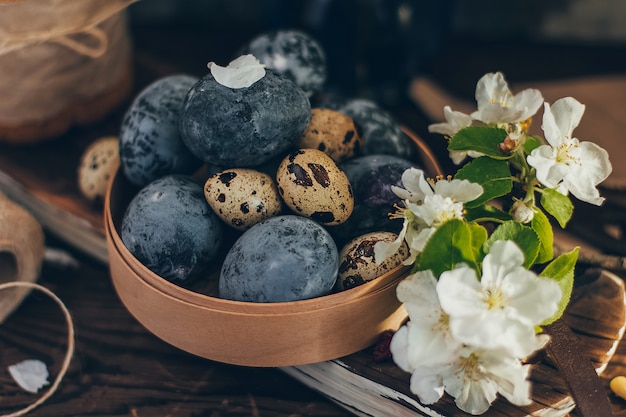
{"x":244,"y":333}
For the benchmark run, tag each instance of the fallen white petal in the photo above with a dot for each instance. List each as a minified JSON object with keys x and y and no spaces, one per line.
{"x":240,"y":73}
{"x":30,"y":374}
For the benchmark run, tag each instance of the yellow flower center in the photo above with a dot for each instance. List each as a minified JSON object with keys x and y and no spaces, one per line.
{"x":470,"y":367}
{"x":503,"y":99}
{"x":442,"y":324}
{"x":564,"y":154}
{"x":448,"y":214}
{"x":517,"y":130}
{"x":525,"y":124}
{"x":494,"y":298}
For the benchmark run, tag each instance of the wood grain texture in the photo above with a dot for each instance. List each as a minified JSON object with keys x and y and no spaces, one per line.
{"x":120,"y":369}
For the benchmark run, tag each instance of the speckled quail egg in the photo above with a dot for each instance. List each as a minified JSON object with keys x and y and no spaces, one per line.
{"x":382,"y":134}
{"x":242,"y":197}
{"x":357,"y":263}
{"x":333,"y":133}
{"x":312,"y":185}
{"x":98,"y":164}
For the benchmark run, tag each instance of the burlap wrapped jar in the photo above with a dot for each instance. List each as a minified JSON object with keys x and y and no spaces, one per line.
{"x":62,"y":63}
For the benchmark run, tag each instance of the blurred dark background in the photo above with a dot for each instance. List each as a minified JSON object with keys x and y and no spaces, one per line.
{"x":375,"y":47}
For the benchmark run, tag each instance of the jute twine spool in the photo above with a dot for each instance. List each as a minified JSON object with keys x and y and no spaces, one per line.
{"x":62,"y":62}
{"x":70,"y":343}
{"x":21,"y":255}
{"x":21,"y":252}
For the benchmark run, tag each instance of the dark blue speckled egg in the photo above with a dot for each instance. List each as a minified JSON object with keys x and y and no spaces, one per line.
{"x":150,"y":143}
{"x":293,"y":54}
{"x":169,"y":227}
{"x":243,"y":127}
{"x":283,"y":258}
{"x":371,"y":177}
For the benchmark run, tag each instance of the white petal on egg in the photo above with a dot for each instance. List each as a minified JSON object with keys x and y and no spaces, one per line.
{"x":240,"y":73}
{"x":30,"y":374}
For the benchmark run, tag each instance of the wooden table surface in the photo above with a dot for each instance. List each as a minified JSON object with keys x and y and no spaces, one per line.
{"x":119,"y":368}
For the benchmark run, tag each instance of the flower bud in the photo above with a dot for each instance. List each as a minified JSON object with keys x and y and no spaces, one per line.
{"x":521,"y":212}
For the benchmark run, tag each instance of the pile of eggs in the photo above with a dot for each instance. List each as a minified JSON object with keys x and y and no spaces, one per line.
{"x":284,"y":190}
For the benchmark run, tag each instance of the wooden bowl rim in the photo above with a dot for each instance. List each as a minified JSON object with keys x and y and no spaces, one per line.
{"x":211,"y":302}
{"x":241,"y":308}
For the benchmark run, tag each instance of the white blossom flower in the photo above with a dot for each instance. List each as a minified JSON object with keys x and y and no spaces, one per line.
{"x":428,"y":205}
{"x":566,"y":163}
{"x":426,"y":338}
{"x":409,"y":233}
{"x":474,"y":379}
{"x":434,"y":202}
{"x":427,"y":348}
{"x":471,"y":327}
{"x":501,"y":310}
{"x":455,"y":121}
{"x":497,"y":105}
{"x":418,"y":189}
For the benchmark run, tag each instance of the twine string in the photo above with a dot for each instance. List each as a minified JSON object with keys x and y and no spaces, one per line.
{"x":57,"y":21}
{"x":96,"y":51}
{"x":70,"y":344}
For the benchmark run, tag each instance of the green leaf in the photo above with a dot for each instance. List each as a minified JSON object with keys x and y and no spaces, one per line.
{"x":561,"y":270}
{"x":541,"y":225}
{"x":486,"y":213}
{"x":532,"y":142}
{"x":481,"y":139}
{"x":525,"y":237}
{"x":493,"y":175}
{"x":453,"y":242}
{"x":479,"y":237}
{"x":558,"y":205}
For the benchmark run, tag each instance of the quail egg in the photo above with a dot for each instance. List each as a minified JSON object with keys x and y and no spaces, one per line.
{"x":357,"y":263}
{"x":242,"y":197}
{"x":97,"y":166}
{"x":312,"y":185}
{"x":333,"y":133}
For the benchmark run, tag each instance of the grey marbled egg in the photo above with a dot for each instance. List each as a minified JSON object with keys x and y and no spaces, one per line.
{"x":243,"y":127}
{"x":283,"y":258}
{"x":371,"y":177}
{"x":293,"y":54}
{"x":150,"y":143}
{"x":169,"y":227}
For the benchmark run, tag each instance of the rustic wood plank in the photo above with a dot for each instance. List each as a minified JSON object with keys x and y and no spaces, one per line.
{"x":120,"y":369}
